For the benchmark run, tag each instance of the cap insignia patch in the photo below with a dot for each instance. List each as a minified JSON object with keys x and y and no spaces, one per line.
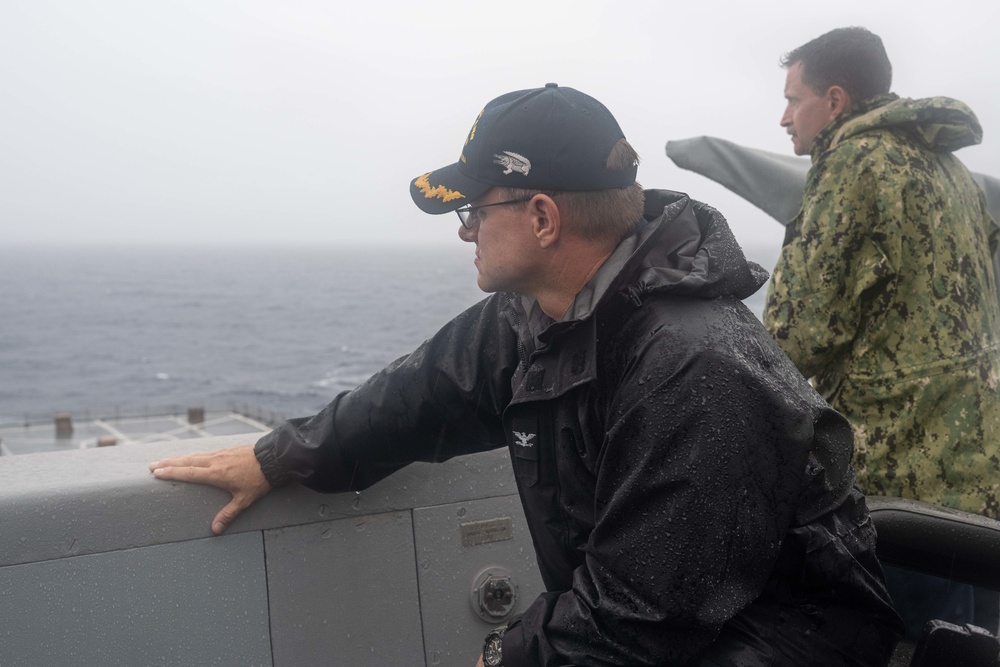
{"x":512,"y":162}
{"x":439,"y":192}
{"x":472,"y":132}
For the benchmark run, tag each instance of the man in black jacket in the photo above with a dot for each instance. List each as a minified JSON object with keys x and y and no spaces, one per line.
{"x":689,"y":496}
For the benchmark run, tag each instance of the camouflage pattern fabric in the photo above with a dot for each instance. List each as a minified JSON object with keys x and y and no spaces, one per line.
{"x":883,"y":295}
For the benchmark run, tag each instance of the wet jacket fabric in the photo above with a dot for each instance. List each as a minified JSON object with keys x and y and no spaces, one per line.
{"x":884,"y":295}
{"x":687,"y":492}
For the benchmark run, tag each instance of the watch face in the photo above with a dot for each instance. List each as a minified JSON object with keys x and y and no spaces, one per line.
{"x":492,"y":652}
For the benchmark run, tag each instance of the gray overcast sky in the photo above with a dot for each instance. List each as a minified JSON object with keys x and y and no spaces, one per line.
{"x":205,"y":122}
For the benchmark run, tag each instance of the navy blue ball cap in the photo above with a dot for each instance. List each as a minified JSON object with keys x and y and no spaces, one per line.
{"x":552,"y":138}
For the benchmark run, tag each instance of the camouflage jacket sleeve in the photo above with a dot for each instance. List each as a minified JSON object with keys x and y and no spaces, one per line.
{"x":834,"y":254}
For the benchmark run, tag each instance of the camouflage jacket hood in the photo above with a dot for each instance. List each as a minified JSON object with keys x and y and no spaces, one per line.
{"x":941,"y":124}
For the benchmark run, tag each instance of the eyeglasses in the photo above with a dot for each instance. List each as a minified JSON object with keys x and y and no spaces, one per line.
{"x":467,"y":213}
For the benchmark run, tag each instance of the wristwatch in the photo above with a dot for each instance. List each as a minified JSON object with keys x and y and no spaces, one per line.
{"x":493,"y":648}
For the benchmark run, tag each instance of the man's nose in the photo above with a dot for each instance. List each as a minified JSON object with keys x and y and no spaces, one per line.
{"x":786,"y":119}
{"x":466,"y":234}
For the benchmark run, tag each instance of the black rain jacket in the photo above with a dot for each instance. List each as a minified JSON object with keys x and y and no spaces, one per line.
{"x":688,"y":494}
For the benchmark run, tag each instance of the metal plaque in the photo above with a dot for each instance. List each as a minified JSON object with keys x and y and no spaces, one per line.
{"x":484,"y":532}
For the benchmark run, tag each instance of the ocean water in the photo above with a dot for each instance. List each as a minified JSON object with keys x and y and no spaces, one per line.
{"x":123,"y":331}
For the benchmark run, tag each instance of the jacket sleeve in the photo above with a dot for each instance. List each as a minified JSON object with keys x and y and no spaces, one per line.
{"x":444,"y":399}
{"x":836,"y":254}
{"x":699,"y":478}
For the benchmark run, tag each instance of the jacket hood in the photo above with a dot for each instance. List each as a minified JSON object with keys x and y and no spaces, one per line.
{"x":940,"y":124}
{"x":680,"y":247}
{"x":686,"y":248}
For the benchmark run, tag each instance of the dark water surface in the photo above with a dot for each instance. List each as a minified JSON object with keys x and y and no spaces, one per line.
{"x":96,"y":330}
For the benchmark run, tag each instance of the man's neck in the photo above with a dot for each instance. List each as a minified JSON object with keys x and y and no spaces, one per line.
{"x":565,"y":279}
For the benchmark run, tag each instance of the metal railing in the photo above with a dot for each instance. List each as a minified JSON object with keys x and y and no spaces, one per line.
{"x":116,"y":413}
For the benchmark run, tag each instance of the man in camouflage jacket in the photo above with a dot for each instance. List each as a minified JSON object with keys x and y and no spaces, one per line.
{"x":883,"y":293}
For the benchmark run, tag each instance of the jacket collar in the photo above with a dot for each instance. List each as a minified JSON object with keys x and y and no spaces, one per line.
{"x":824,"y":138}
{"x":680,"y":247}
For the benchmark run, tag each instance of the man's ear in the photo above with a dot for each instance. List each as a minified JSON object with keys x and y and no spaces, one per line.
{"x":839,"y":101}
{"x":546,"y":220}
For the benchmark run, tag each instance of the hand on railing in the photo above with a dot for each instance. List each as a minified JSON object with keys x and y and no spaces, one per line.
{"x":235,"y":470}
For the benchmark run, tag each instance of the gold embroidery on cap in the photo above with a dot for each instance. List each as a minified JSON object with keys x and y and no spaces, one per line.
{"x":440,"y":192}
{"x":472,"y":132}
